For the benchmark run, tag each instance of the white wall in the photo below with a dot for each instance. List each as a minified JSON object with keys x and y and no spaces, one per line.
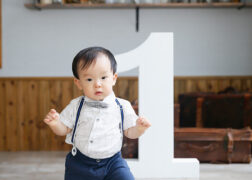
{"x":43,"y":43}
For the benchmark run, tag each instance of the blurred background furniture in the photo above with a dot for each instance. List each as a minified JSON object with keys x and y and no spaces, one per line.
{"x":214,"y":127}
{"x":214,"y":145}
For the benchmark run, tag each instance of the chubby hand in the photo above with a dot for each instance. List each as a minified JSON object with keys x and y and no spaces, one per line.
{"x":52,"y":117}
{"x":142,"y":124}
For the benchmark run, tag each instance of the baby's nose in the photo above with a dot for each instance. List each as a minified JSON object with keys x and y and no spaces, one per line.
{"x":97,"y":83}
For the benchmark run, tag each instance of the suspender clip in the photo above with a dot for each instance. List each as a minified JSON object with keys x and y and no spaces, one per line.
{"x":74,"y":151}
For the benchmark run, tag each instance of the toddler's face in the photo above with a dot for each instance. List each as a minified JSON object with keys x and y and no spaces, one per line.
{"x":97,"y":80}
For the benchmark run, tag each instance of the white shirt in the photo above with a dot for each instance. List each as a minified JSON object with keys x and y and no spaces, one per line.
{"x":98,"y":134}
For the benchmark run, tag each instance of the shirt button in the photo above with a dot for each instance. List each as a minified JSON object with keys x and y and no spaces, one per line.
{"x":97,"y":119}
{"x":91,"y":141}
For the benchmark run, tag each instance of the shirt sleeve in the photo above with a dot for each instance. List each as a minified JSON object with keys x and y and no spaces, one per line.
{"x":130,"y":116}
{"x":67,"y":116}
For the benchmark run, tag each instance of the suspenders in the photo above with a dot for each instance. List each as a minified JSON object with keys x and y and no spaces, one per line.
{"x":77,"y":118}
{"x":74,"y":150}
{"x":121,"y":109}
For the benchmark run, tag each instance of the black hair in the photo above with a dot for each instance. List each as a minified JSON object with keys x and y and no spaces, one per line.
{"x":88,"y":56}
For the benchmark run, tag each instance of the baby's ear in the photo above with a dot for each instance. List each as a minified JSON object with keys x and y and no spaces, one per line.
{"x":77,"y":83}
{"x":114,"y":79}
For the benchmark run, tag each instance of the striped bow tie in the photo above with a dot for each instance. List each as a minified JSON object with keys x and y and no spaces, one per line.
{"x":97,"y":104}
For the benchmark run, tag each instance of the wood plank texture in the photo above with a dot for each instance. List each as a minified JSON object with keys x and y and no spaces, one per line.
{"x":11,"y":115}
{"x":44,"y":106}
{"x":2,"y":116}
{"x":21,"y":107}
{"x":24,"y":102}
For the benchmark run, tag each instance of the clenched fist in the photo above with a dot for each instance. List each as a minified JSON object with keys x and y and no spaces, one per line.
{"x":142,"y":124}
{"x":52,"y":117}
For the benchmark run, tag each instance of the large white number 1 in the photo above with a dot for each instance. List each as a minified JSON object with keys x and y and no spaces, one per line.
{"x":154,"y":58}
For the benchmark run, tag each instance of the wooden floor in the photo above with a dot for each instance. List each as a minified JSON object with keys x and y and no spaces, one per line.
{"x":50,"y":166}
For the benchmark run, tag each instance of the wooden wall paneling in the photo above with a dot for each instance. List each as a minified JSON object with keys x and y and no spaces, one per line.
{"x":24,"y":102}
{"x":133,"y":90}
{"x":76,"y":91}
{"x":2,"y":116}
{"x":55,"y":101}
{"x":246,"y":85}
{"x":123,"y":88}
{"x":115,"y":87}
{"x":236,"y":83}
{"x":33,"y":103}
{"x":212,"y":85}
{"x":55,"y":94}
{"x":223,"y":84}
{"x":179,"y":88}
{"x":190,"y":86}
{"x":201,"y":85}
{"x":250,"y":85}
{"x":21,"y":104}
{"x":11,"y":115}
{"x":182,"y":86}
{"x":67,"y":91}
{"x":27,"y":128}
{"x":44,"y":107}
{"x":176,"y":93}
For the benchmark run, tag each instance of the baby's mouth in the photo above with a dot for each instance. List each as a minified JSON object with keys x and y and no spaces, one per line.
{"x":98,"y":93}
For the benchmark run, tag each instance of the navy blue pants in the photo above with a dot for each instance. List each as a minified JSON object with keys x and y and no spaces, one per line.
{"x":81,"y":167}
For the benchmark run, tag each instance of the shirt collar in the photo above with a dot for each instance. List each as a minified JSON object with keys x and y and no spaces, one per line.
{"x":109,"y":99}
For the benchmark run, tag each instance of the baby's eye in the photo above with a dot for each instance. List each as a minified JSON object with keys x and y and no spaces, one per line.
{"x":89,"y":79}
{"x":104,"y":77}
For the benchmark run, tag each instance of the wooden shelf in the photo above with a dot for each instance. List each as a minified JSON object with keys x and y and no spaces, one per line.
{"x":138,"y":6}
{"x":71,"y":6}
{"x":164,"y":5}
